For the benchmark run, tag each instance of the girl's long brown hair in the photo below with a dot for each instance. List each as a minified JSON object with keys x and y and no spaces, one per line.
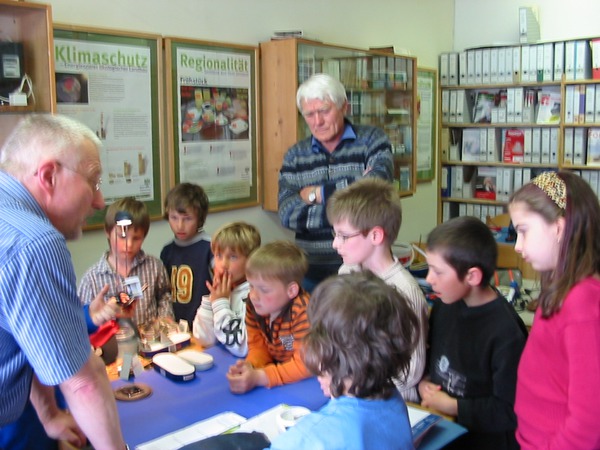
{"x":579,"y":253}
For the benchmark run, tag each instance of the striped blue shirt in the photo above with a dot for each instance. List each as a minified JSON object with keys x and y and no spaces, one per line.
{"x":42,"y":327}
{"x":363,"y":151}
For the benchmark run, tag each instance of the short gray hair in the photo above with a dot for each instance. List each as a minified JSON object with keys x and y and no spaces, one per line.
{"x":43,"y":135}
{"x":324,"y":87}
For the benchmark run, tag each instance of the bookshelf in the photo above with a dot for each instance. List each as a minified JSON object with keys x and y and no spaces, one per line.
{"x":508,"y":113}
{"x":31,"y":25}
{"x":381,"y":89}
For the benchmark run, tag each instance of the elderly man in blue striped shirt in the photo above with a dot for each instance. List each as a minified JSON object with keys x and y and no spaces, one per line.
{"x":49,"y":183}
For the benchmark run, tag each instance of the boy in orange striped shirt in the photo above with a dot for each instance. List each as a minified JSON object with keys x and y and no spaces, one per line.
{"x":276,"y":320}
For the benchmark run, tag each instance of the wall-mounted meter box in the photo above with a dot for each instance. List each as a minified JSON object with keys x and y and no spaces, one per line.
{"x":11,"y":66}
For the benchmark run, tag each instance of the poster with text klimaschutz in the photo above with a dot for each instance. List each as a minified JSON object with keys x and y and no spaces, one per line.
{"x":109,"y":82}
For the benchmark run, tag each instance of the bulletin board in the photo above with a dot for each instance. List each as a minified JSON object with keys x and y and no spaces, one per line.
{"x":111,"y":81}
{"x":213,"y":120}
{"x":426,"y":123}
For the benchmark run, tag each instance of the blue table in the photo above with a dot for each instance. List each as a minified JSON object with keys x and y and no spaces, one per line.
{"x":174,"y":405}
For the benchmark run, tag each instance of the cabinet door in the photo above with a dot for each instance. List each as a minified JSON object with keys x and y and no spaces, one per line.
{"x":28,"y":27}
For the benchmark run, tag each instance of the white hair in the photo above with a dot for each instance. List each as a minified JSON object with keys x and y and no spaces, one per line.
{"x":41,"y":136}
{"x":324,"y":87}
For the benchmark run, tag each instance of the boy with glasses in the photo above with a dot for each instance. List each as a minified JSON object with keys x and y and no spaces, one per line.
{"x":366,"y":218}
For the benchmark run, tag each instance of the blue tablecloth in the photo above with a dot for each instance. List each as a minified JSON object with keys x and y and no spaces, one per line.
{"x":174,"y":405}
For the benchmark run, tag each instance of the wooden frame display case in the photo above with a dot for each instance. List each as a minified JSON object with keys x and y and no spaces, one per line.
{"x":128,"y":124}
{"x":426,"y":123}
{"x":212,"y":119}
{"x":29,"y":24}
{"x":381,"y":89}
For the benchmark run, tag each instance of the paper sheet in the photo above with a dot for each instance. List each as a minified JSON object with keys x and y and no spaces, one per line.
{"x":200,"y":430}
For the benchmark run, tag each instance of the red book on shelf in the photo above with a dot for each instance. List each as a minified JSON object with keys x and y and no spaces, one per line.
{"x":514,"y":146}
{"x":485,"y":183}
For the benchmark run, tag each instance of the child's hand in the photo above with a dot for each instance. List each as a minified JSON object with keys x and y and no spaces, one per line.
{"x":101,"y":311}
{"x":127,"y":310}
{"x":220,"y":287}
{"x":124,"y":305}
{"x":243,"y":377}
{"x":239,"y":367}
{"x":426,"y":388}
{"x":433,"y":397}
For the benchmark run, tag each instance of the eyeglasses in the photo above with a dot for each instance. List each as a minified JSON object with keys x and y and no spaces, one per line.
{"x":345,"y":237}
{"x":95,"y":185}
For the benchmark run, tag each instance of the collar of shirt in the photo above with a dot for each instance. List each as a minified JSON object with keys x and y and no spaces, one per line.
{"x":347,"y":135}
{"x":18,"y":194}
{"x":200,"y":236}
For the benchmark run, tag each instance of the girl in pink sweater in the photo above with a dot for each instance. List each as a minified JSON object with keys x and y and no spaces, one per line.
{"x":557,"y":218}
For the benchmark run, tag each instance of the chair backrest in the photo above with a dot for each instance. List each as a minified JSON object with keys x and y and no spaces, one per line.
{"x":501,"y":220}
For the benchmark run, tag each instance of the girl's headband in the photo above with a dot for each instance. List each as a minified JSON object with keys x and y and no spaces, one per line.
{"x":554,"y":187}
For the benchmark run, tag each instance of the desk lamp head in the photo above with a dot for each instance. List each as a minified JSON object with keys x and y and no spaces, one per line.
{"x":123,"y":219}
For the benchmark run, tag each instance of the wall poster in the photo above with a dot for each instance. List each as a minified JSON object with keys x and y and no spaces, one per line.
{"x":110,"y":81}
{"x":426,"y":123}
{"x":211,"y":92}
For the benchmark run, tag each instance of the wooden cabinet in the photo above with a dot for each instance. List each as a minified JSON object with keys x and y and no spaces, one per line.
{"x":31,"y":25}
{"x":483,"y":161}
{"x":498,"y":133}
{"x":381,"y":89}
{"x":581,"y":128}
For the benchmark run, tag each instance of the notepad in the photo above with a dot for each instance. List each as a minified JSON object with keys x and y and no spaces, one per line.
{"x":421,"y":422}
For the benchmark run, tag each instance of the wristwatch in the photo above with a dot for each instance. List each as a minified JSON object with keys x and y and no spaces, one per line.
{"x":312,"y":197}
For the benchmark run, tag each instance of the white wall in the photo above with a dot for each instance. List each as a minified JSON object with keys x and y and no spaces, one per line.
{"x":423,"y":29}
{"x":486,"y":22}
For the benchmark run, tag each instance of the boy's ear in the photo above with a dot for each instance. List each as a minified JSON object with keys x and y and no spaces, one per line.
{"x":377,"y":235}
{"x":293,"y":289}
{"x":474,"y":276}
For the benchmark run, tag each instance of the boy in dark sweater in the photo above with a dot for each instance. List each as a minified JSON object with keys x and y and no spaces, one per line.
{"x":475,"y":337}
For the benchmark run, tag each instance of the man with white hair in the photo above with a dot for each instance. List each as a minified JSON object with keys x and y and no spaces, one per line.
{"x":49,"y":184}
{"x":336,"y":154}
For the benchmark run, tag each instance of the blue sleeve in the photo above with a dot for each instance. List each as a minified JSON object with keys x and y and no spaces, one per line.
{"x":91,"y":327}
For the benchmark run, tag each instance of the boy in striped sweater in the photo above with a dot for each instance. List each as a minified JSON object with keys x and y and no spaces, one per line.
{"x":276,"y":320}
